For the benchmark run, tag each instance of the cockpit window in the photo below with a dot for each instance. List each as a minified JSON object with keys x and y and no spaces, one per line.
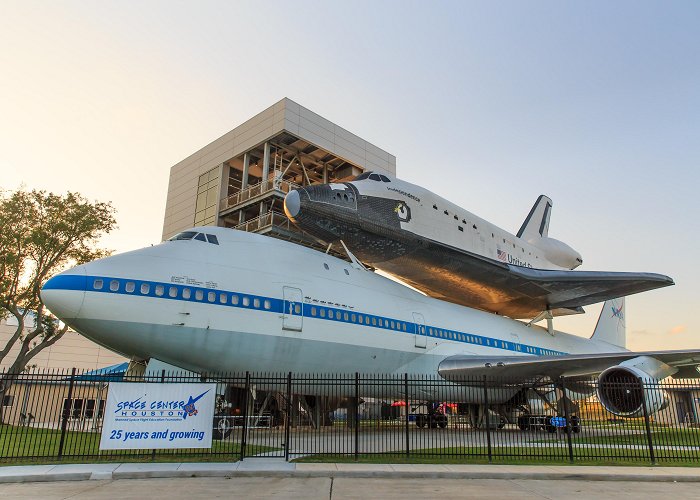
{"x":186,"y":235}
{"x":362,"y":176}
{"x":384,"y":178}
{"x":194,"y":235}
{"x":375,"y":177}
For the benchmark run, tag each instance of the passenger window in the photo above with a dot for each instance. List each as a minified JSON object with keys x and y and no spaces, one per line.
{"x":200,"y":237}
{"x":366,"y":320}
{"x":246,"y":301}
{"x":323,"y":313}
{"x":172,"y":292}
{"x":234,"y":300}
{"x":160,"y":289}
{"x":313,"y":311}
{"x":393,"y":325}
{"x":199,"y":295}
{"x":256,"y":303}
{"x":354,"y":318}
{"x":114,"y":285}
{"x":267,"y":304}
{"x":186,"y":293}
{"x":97,"y":284}
{"x":223,"y":298}
{"x":297,"y":309}
{"x":211,"y":296}
{"x":213,"y":239}
{"x":345,"y":316}
{"x":326,"y":266}
{"x":145,"y":288}
{"x":330,"y":313}
{"x":130,"y":286}
{"x":374,"y":321}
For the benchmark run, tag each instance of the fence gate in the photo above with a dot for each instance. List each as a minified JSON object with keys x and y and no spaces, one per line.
{"x":292,"y":315}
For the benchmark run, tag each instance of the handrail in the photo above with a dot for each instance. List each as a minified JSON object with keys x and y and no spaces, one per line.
{"x":258,"y":189}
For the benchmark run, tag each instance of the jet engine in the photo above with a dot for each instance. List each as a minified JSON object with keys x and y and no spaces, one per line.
{"x":624,"y":390}
{"x":557,"y":252}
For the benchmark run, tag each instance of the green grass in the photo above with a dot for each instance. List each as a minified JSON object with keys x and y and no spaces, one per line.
{"x":516,"y":456}
{"x":26,"y":445}
{"x":660,"y":437}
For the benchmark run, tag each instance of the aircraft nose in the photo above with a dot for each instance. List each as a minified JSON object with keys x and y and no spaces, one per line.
{"x":64,"y":293}
{"x":292,"y":204}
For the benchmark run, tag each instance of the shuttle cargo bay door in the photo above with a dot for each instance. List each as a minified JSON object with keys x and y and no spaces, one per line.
{"x":293,"y":307}
{"x":420,"y":335}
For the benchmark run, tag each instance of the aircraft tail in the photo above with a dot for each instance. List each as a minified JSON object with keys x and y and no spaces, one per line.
{"x":537,"y":222}
{"x":611,"y":323}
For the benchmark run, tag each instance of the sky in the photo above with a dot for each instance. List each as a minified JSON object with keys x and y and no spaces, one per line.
{"x":489,"y":104}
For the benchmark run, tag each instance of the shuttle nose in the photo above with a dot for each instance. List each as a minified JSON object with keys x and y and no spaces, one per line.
{"x":64,"y":293}
{"x":292,"y":204}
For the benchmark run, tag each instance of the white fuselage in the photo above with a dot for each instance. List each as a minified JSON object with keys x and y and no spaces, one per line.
{"x":439,"y":220}
{"x":254,"y":303}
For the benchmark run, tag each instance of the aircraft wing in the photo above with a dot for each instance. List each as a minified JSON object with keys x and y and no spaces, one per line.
{"x":519,"y":368}
{"x":571,"y":289}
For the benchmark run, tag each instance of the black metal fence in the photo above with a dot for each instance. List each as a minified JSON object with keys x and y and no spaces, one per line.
{"x":58,"y":415}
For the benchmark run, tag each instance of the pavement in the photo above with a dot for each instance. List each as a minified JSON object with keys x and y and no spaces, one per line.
{"x":278,"y":468}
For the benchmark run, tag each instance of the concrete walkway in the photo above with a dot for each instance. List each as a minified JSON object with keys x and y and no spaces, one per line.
{"x":261,"y":467}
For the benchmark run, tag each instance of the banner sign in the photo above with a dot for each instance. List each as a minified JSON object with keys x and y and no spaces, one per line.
{"x":156,"y":416}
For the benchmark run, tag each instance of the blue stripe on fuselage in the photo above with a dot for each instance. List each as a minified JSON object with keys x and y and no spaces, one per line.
{"x":276,"y":305}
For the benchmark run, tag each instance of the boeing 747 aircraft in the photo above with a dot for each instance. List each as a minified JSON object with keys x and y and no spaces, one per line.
{"x":451,"y":254}
{"x":219,"y":300}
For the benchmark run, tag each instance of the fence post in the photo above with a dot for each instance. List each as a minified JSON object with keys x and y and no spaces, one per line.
{"x":289,"y":416}
{"x":66,"y":414}
{"x":646,"y":422}
{"x":244,"y":436}
{"x":567,"y":416}
{"x":486,"y":419}
{"x":405,"y":387}
{"x":357,"y":415}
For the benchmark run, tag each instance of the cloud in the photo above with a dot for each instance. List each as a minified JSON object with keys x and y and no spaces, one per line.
{"x":678,"y":329}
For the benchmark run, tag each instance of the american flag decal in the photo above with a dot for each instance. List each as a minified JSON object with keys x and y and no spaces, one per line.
{"x":502,"y":256}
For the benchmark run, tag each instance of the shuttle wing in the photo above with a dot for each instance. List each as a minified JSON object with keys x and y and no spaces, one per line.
{"x":519,"y":368}
{"x":572,"y":289}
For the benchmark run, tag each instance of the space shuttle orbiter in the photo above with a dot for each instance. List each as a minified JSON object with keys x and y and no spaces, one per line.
{"x":451,"y":254}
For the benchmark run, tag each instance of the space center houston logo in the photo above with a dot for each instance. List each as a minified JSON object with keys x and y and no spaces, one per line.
{"x":166,"y":415}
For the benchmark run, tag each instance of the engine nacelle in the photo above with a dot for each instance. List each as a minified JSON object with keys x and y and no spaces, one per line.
{"x":557,"y":252}
{"x":625,"y":389}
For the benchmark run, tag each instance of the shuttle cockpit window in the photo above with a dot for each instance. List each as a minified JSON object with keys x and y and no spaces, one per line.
{"x":212,"y":239}
{"x":363,"y":176}
{"x":384,"y":178}
{"x":375,"y":177}
{"x":200,"y":237}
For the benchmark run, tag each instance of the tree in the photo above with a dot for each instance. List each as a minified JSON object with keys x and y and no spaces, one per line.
{"x":41,"y":234}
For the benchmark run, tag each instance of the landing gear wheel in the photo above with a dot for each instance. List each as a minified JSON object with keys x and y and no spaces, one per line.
{"x":222,"y":427}
{"x":420,"y":421}
{"x":442,"y":421}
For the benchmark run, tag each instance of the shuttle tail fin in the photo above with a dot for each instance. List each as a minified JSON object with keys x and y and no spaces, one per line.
{"x":536,"y":224}
{"x":611,"y":323}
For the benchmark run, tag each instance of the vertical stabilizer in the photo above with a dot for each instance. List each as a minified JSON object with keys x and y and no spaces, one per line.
{"x":611,"y":323}
{"x":536,"y":224}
